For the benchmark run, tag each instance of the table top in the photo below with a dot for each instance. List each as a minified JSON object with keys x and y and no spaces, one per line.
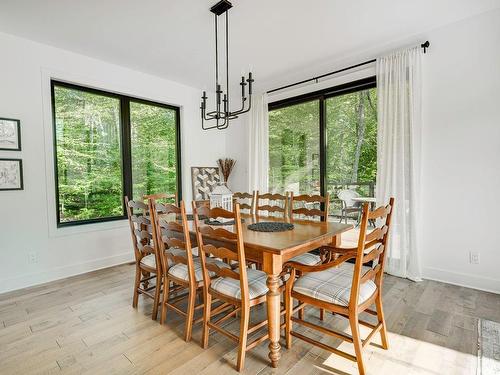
{"x":282,"y":242}
{"x":365,"y":199}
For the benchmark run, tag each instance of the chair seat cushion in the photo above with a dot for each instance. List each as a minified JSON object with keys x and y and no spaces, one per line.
{"x":309,"y":259}
{"x":180,"y":270}
{"x":334,"y":285}
{"x":149,"y":261}
{"x":230,"y":287}
{"x":179,"y":251}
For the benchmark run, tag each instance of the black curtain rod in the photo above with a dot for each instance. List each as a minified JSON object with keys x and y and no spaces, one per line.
{"x":424,"y":45}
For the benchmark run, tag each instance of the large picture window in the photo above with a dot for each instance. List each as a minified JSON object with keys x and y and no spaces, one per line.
{"x":325,"y":141}
{"x":107,"y":146}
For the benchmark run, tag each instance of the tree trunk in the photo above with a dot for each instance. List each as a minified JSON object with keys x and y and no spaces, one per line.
{"x":361,"y":136}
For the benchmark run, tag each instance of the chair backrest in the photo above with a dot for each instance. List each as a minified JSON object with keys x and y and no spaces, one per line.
{"x":274,"y":204}
{"x":221,"y":235}
{"x":164,"y":197}
{"x":309,"y":207}
{"x":346,"y":195}
{"x":371,"y":248}
{"x":245,"y":200}
{"x":171,"y":232}
{"x":141,"y":229}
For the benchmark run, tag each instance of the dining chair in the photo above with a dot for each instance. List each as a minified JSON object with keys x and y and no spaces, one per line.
{"x":240,"y":287}
{"x":147,"y":261}
{"x":271,"y":204}
{"x":246,"y":201}
{"x":309,"y":207}
{"x":344,"y":288}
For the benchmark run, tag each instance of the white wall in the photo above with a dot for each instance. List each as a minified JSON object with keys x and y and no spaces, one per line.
{"x":461,"y":153}
{"x":27,"y":220}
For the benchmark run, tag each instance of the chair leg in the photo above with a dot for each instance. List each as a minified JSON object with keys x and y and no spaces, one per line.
{"x":356,"y":340}
{"x":137,"y":284}
{"x":301,"y":312}
{"x":288,"y":318}
{"x":190,"y":314}
{"x":245,"y":318}
{"x":166,"y":293}
{"x":381,"y":319}
{"x":156,"y":301}
{"x":321,"y":314}
{"x":207,"y":307}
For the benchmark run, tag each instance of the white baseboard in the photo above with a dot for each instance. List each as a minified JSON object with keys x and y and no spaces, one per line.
{"x":25,"y":281}
{"x":462,"y":279}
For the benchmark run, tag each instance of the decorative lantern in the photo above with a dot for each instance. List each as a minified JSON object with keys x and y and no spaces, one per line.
{"x":222,"y":197}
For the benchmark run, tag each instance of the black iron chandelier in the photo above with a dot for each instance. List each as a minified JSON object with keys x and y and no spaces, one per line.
{"x":222,"y":114}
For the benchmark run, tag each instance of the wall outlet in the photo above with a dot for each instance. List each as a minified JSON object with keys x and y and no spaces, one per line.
{"x":473,"y":257}
{"x":33,"y":257}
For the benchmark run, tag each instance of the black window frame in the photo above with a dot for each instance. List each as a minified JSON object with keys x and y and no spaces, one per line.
{"x":322,"y":95}
{"x":125,"y":142}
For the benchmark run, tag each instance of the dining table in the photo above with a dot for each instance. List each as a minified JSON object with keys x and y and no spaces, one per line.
{"x":273,"y":249}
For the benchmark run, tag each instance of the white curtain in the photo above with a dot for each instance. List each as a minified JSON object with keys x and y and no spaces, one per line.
{"x":398,"y":159}
{"x":258,"y":144}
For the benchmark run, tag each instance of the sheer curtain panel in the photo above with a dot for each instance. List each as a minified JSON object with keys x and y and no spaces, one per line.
{"x":258,"y":144}
{"x":398,"y":155}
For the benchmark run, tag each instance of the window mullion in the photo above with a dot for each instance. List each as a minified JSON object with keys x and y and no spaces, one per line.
{"x":126,"y":148}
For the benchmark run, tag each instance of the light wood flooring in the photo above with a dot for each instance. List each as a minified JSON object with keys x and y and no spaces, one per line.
{"x":85,"y":324}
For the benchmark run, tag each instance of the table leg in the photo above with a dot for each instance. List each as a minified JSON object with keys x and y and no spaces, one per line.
{"x":273,"y":316}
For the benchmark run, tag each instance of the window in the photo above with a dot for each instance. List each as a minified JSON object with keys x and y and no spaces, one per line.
{"x":108,"y":146}
{"x":325,"y":141}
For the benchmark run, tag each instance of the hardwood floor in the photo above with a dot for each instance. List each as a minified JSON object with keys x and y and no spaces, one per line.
{"x":86,"y":324}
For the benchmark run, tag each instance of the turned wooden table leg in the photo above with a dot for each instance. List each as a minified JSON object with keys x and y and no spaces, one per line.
{"x":273,"y":316}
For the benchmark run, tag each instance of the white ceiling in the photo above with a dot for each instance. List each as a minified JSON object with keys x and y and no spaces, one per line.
{"x":174,"y":38}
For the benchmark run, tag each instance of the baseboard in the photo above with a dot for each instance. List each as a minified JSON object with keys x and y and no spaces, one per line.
{"x":462,"y":279}
{"x":26,"y":281}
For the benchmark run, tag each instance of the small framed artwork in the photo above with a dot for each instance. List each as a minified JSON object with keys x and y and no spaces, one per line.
{"x":11,"y":174}
{"x":10,"y":134}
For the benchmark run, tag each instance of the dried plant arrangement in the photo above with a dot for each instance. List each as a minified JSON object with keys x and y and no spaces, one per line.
{"x":226,"y":166}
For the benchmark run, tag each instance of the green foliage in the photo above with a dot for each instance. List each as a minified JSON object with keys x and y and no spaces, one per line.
{"x":351,"y":131}
{"x":89,"y":154}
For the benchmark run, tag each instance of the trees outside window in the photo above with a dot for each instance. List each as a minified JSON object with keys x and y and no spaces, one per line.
{"x":108,"y":146}
{"x":325,"y":141}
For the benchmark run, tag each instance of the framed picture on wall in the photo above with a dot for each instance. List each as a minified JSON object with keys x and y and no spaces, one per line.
{"x":10,"y":134}
{"x":11,"y":174}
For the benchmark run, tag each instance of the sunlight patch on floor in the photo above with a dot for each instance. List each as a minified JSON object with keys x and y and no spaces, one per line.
{"x":405,"y":356}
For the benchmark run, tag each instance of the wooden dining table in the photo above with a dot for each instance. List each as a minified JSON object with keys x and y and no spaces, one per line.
{"x":274,"y":249}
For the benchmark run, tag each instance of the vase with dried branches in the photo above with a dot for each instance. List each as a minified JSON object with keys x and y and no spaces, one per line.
{"x":226,"y":167}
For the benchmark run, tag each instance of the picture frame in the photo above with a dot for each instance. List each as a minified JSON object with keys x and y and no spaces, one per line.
{"x":10,"y":134}
{"x":204,"y":180}
{"x":11,"y":174}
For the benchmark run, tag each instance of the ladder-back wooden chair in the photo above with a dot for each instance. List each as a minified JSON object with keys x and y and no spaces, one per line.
{"x":311,"y":208}
{"x":147,"y":260}
{"x":242,"y":287}
{"x":246,"y":201}
{"x":344,"y":288}
{"x":171,"y":238}
{"x":275,"y":205}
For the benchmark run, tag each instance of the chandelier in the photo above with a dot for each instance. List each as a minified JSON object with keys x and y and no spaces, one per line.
{"x":222,"y":113}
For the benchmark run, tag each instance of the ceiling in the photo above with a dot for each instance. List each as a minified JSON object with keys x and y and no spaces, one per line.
{"x":278,"y":38}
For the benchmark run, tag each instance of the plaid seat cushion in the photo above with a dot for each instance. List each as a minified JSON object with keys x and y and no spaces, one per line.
{"x":231,"y":287}
{"x":180,"y":270}
{"x":149,"y":261}
{"x":333,"y":285}
{"x":176,"y":250}
{"x":309,"y":259}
